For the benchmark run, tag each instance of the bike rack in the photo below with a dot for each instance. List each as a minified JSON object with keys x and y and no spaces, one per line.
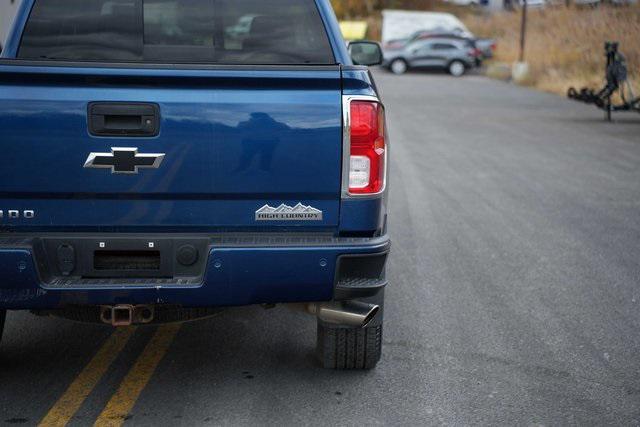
{"x":617,"y":80}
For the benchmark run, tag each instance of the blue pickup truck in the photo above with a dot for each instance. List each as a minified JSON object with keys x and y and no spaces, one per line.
{"x":160,"y":162}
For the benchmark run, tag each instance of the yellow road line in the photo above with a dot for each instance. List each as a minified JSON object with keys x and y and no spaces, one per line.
{"x":122,"y":402}
{"x":66,"y":407}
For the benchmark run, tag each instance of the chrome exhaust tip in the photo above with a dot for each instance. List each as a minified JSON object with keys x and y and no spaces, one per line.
{"x":348,"y":313}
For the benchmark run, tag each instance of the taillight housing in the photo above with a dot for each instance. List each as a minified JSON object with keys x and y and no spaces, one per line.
{"x":367,"y":147}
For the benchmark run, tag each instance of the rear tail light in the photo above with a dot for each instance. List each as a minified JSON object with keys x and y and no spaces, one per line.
{"x":367,"y":158}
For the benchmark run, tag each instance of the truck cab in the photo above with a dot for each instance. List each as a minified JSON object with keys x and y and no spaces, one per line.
{"x":160,"y":166}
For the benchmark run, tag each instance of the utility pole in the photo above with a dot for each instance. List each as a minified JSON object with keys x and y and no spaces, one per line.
{"x":523,"y":30}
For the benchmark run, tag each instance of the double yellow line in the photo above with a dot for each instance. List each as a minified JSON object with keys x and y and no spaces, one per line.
{"x":124,"y":399}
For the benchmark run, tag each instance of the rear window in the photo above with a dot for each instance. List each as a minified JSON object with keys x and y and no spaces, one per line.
{"x":252,"y":32}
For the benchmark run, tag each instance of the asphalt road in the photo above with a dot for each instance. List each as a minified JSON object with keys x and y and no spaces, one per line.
{"x":514,"y":294}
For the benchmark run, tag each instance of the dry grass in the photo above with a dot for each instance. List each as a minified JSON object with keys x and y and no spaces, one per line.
{"x":565,"y":46}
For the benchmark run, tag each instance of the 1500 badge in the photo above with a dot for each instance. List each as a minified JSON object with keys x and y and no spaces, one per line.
{"x":284,"y":212}
{"x":17,"y":214}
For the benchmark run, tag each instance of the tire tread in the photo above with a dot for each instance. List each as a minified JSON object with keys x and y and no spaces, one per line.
{"x":3,"y":316}
{"x":349,"y":348}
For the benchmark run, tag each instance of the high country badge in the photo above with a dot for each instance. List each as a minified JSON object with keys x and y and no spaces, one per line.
{"x":284,"y":212}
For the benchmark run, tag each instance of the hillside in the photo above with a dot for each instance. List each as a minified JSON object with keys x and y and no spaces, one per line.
{"x":565,"y":46}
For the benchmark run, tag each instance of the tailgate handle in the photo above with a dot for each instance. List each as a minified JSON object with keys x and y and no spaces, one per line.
{"x":123,"y":119}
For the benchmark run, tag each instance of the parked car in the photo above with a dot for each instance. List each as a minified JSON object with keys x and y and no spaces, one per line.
{"x":534,"y":4}
{"x":592,"y":3}
{"x":166,"y":175}
{"x":421,"y":34}
{"x":451,"y":54}
{"x":485,"y":47}
{"x":464,"y":2}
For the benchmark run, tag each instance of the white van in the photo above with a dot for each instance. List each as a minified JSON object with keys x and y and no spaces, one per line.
{"x":401,"y":24}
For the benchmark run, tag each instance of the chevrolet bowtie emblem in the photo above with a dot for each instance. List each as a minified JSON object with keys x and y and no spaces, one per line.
{"x":124,"y":160}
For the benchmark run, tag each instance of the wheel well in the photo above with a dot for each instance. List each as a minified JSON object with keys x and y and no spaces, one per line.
{"x":399,"y":58}
{"x":458,"y":60}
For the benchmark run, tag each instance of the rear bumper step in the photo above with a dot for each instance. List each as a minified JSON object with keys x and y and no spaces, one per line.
{"x":229,"y":270}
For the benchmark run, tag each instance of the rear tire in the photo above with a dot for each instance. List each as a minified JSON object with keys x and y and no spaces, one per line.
{"x":3,"y":316}
{"x":457,"y":68}
{"x":399,"y":66}
{"x":345,"y":348}
{"x":349,"y":348}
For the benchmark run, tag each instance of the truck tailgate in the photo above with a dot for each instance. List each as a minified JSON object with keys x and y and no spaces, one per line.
{"x":234,"y":140}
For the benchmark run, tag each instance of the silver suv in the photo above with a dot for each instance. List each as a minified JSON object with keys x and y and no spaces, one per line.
{"x":454,"y":55}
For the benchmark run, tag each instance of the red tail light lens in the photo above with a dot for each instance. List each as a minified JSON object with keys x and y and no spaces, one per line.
{"x":368,"y":148}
